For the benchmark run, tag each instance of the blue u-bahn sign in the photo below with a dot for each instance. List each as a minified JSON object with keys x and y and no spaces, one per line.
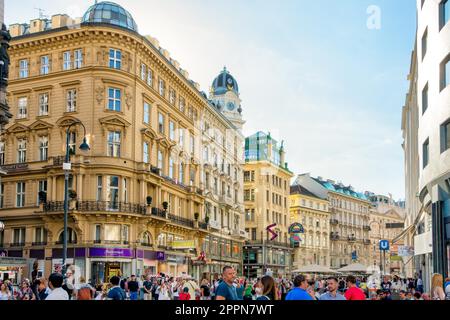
{"x":384,"y":245}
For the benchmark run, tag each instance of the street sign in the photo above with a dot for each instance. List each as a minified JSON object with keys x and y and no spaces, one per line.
{"x":384,"y":245}
{"x":354,"y":255}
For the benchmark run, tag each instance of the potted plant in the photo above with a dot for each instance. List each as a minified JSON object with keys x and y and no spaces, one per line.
{"x":149,"y":200}
{"x":207,"y":219}
{"x":196,"y":215}
{"x":165,"y":205}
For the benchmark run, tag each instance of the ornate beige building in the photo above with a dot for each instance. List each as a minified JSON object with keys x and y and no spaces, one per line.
{"x":145,"y":122}
{"x":266,"y":200}
{"x":387,"y":219}
{"x":313,"y":214}
{"x":349,"y":220}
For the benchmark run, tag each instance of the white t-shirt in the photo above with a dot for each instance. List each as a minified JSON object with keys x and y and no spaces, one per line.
{"x":58,"y":294}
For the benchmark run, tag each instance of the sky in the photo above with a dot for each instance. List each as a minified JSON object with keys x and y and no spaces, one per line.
{"x":329,"y":77}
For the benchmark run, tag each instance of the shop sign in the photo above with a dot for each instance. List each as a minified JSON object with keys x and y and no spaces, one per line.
{"x":176,"y":259}
{"x":111,"y":252}
{"x":160,"y":255}
{"x":8,"y":261}
{"x":3,"y":253}
{"x":183,"y":244}
{"x":405,"y":251}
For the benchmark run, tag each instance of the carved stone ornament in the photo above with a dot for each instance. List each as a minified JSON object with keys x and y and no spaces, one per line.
{"x":100,"y":94}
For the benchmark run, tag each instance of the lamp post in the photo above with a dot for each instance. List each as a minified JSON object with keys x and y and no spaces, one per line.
{"x":379,"y":234}
{"x":67,"y":167}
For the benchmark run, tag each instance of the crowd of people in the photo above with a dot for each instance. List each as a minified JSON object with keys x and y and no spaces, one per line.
{"x":227,"y":287}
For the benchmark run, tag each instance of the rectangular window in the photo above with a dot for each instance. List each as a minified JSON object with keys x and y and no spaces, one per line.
{"x":114,"y":143}
{"x":445,"y":136}
{"x":23,"y":68}
{"x":115,"y":59}
{"x":71,"y":100}
{"x":143,"y":72}
{"x":425,"y":99}
{"x":162,"y":87}
{"x":98,"y":231}
{"x":171,"y":130}
{"x":171,"y":171}
{"x":191,"y":144}
{"x":125,"y":190}
{"x":145,"y":152}
{"x":192,"y":176}
{"x":181,"y":137}
{"x":181,"y":104}
{"x":160,"y":160}
{"x":113,"y":192}
{"x":72,"y":142}
{"x":146,"y":113}
{"x":445,"y":72}
{"x":43,"y":104}
{"x":444,"y":9}
{"x":20,"y":194}
{"x":2,"y":153}
{"x":67,"y":63}
{"x":45,"y":65}
{"x":172,"y":96}
{"x":425,"y":152}
{"x":43,"y":148}
{"x":161,"y":123}
{"x":22,"y":108}
{"x":150,"y":77}
{"x":181,"y":172}
{"x":78,"y":58}
{"x":22,"y":151}
{"x":99,"y":188}
{"x":424,"y":43}
{"x":19,"y":236}
{"x":114,"y":99}
{"x":42,"y":187}
{"x":2,"y":195}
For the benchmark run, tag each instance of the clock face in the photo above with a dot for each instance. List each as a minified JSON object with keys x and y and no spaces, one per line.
{"x":230,"y":106}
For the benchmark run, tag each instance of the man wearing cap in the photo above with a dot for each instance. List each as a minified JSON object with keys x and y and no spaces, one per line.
{"x":332,"y":293}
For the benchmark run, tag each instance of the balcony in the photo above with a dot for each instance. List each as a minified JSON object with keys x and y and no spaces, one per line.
{"x":366,"y":241}
{"x":351,"y":238}
{"x":96,"y":206}
{"x":68,"y":242}
{"x":159,"y":213}
{"x":42,"y":243}
{"x":181,"y":221}
{"x":155,"y":170}
{"x":334,"y":236}
{"x":17,"y":244}
{"x":334,"y":221}
{"x":366,"y":228}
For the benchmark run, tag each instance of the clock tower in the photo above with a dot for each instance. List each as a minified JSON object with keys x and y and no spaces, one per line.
{"x":224,"y":94}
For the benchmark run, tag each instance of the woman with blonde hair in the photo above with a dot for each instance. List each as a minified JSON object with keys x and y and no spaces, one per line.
{"x":437,"y":292}
{"x":5,"y":294}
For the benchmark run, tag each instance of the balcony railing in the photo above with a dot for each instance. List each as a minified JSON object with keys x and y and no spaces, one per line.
{"x":159,"y":213}
{"x":68,"y":242}
{"x":351,"y":238}
{"x":366,"y":228}
{"x":17,"y":244}
{"x":181,"y":221}
{"x":97,"y":206}
{"x":366,"y":241}
{"x":334,"y":236}
{"x":42,"y":243}
{"x":334,"y":221}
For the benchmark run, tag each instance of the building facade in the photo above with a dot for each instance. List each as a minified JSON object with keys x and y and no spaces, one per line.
{"x":425,"y":125}
{"x":349,"y":220}
{"x":266,"y":201}
{"x":138,"y":196}
{"x":312,"y":212}
{"x":387,"y":219}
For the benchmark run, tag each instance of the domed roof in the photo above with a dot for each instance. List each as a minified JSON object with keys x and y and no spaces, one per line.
{"x":109,"y":12}
{"x":224,"y":82}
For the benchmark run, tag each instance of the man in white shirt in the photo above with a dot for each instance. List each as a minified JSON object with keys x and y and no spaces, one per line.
{"x":55,"y":282}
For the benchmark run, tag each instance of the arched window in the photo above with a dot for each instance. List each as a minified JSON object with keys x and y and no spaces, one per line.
{"x":71,"y":236}
{"x":146,"y":239}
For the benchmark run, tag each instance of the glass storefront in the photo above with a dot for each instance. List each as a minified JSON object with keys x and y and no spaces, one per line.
{"x":102,"y":271}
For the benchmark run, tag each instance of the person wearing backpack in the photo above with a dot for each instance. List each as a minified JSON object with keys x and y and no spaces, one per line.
{"x":268,"y":289}
{"x":116,"y":292}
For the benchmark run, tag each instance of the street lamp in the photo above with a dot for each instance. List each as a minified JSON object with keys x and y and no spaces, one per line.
{"x":67,"y":167}
{"x":379,"y":234}
{"x":2,"y":226}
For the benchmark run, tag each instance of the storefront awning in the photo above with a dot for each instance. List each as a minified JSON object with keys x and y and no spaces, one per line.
{"x":13,"y":262}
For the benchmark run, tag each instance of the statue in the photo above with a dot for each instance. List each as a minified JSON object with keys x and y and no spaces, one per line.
{"x":5,"y":38}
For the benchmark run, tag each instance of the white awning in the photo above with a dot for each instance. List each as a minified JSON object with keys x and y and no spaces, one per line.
{"x":403,"y":234}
